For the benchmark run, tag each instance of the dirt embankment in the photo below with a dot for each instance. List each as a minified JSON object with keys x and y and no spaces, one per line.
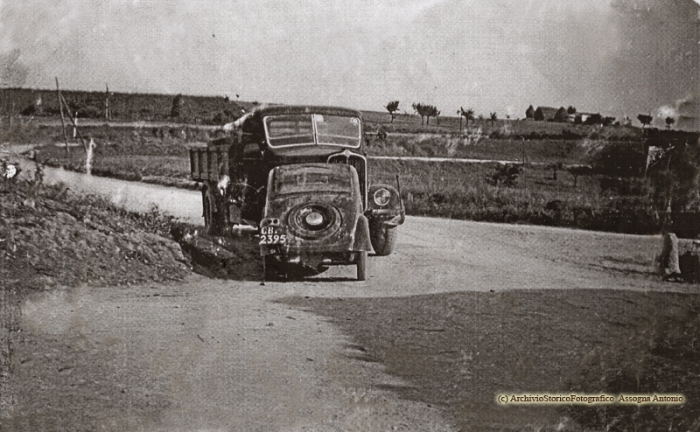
{"x":51,"y":238}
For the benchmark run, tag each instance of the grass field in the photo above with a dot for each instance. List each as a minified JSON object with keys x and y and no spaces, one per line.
{"x":543,"y":193}
{"x":217,"y":110}
{"x":545,"y":151}
{"x":450,"y":189}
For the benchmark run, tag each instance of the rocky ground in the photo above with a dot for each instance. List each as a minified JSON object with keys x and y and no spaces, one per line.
{"x":53,"y":239}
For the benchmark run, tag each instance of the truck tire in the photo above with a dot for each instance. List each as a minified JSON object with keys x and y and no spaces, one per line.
{"x":362,"y":266}
{"x":212,"y":220}
{"x":207,"y":211}
{"x":383,"y":238}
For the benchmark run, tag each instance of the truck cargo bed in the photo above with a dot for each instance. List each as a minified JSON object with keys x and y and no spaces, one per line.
{"x":209,"y":163}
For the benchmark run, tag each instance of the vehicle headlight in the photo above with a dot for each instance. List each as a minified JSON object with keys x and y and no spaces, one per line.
{"x":382,"y":197}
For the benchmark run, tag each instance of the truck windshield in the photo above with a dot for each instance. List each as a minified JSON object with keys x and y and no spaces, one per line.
{"x":311,"y":129}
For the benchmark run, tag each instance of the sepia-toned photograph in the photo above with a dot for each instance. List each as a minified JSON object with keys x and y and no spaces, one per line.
{"x":359,"y":215}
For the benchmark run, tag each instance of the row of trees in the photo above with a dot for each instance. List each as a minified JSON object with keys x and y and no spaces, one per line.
{"x":646,"y":120}
{"x":562,"y":115}
{"x":423,"y":110}
{"x":426,"y":111}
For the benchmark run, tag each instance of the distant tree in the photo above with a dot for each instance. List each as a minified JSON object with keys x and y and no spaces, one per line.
{"x":481,"y":117}
{"x":561,"y":115}
{"x":418,"y":109}
{"x":594,"y":119}
{"x":607,"y":121}
{"x":178,"y":104}
{"x":108,"y":112}
{"x":468,"y":115}
{"x":644,"y":119}
{"x":669,"y":122}
{"x":493,"y":118}
{"x":505,"y":174}
{"x":539,"y":114}
{"x":530,"y":112}
{"x":425,"y":110}
{"x":571,"y":110}
{"x":392,"y":107}
{"x":430,"y":111}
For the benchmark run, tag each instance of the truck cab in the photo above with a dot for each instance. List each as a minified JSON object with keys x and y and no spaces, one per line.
{"x":235,"y":170}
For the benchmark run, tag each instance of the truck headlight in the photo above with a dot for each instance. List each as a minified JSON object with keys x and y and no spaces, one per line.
{"x":382,"y":197}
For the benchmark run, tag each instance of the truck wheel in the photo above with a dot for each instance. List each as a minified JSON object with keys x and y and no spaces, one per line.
{"x":208,"y":217}
{"x":212,"y":220}
{"x":362,"y":266}
{"x":383,"y":238}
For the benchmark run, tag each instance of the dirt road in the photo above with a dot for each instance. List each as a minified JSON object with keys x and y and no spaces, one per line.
{"x":234,"y":355}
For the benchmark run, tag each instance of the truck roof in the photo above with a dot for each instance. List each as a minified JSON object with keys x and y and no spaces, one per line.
{"x":304,"y":109}
{"x":255,"y":117}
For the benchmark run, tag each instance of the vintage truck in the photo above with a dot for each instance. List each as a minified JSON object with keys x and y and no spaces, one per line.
{"x":299,"y":175}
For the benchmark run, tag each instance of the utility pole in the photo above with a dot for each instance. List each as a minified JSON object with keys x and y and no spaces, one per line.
{"x":63,"y":122}
{"x":108,"y":114}
{"x":696,"y":74}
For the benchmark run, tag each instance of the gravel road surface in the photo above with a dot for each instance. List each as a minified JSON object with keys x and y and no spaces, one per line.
{"x":211,"y":354}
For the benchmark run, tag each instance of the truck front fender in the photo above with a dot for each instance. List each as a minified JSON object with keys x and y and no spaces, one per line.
{"x":362,"y":240}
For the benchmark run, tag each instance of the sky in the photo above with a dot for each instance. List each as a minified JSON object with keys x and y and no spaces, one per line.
{"x":609,"y":56}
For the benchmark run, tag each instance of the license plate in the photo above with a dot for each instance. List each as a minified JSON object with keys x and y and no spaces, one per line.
{"x":272,"y":235}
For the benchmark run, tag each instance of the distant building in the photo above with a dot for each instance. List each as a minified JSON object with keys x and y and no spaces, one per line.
{"x":581,"y":117}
